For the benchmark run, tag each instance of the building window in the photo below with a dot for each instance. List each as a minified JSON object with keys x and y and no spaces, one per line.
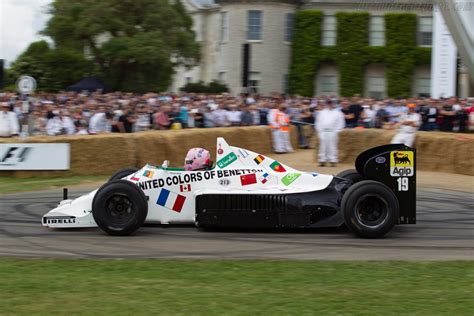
{"x":254,"y":81}
{"x":289,"y":27}
{"x":329,"y":29}
{"x":377,"y":31}
{"x":425,"y":30}
{"x":222,"y":77}
{"x":423,"y":87}
{"x":224,"y":36}
{"x":328,"y":85}
{"x":376,"y":87}
{"x":254,"y":25}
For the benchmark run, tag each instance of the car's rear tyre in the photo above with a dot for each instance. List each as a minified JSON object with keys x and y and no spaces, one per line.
{"x":119,"y":208}
{"x":370,"y":209}
{"x":123,"y":173}
{"x":350,"y":174}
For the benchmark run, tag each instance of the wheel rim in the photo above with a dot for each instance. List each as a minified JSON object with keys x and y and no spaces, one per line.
{"x":371,"y":210}
{"x":119,"y":209}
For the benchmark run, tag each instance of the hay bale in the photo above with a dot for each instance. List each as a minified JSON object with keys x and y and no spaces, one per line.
{"x":105,"y":154}
{"x":90,"y":155}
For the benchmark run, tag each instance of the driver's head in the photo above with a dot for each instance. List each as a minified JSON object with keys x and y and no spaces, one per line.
{"x":197,"y":159}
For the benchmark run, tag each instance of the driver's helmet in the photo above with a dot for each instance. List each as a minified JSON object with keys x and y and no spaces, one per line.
{"x":197,"y":159}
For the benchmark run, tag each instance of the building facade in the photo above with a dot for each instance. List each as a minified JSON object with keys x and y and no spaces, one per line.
{"x":223,"y":26}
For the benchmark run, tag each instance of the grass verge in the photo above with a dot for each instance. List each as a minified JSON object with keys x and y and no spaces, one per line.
{"x":10,"y":185}
{"x":187,"y":287}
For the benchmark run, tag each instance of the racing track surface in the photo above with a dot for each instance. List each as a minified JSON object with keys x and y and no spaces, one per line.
{"x":445,"y":231}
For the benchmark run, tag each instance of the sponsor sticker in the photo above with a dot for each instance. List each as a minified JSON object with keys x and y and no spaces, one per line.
{"x":220,"y":151}
{"x":380,"y":159}
{"x":314,"y":174}
{"x":227,"y":160}
{"x":276,"y":166}
{"x":248,"y":179}
{"x":60,"y":220}
{"x":290,"y":178}
{"x":243,"y":153}
{"x":171,"y":200}
{"x":402,"y":164}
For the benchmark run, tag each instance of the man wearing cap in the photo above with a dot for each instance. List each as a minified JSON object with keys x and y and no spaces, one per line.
{"x":329,"y":122}
{"x":8,"y":121}
{"x":407,"y":127}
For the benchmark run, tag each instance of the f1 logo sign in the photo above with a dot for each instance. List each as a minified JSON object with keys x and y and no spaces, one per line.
{"x":15,"y":155}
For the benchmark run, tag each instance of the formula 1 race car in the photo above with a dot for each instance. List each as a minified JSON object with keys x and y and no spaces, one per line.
{"x":249,"y":190}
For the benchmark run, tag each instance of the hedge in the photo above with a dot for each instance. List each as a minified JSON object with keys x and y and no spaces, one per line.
{"x":352,"y":52}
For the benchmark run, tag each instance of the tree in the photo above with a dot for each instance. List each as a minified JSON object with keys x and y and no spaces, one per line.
{"x":53,"y":69}
{"x":31,"y":63}
{"x":136,"y":44}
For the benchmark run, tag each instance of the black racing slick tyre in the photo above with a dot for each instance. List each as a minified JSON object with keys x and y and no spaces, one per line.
{"x":123,"y":173}
{"x":370,"y":209}
{"x":119,"y":208}
{"x":350,"y":174}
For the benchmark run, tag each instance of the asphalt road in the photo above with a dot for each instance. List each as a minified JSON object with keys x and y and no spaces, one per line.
{"x":445,"y":231}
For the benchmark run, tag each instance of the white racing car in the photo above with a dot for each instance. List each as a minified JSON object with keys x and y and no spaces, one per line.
{"x":249,"y":190}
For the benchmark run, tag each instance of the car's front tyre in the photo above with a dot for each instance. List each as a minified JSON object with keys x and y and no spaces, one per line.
{"x":370,"y":209}
{"x":119,"y":207}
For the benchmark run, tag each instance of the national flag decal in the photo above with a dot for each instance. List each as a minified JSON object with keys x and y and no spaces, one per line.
{"x":171,"y":200}
{"x":258,"y":160}
{"x":276,"y":166}
{"x":134,"y":178}
{"x":148,"y":174}
{"x":248,"y":179}
{"x":185,"y":187}
{"x":264,"y":178}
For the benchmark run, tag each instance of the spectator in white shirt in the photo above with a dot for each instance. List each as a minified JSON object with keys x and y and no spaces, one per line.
{"x":409,"y":124}
{"x":60,"y":124}
{"x":220,"y":117}
{"x":143,"y":120}
{"x":98,"y":122}
{"x":8,"y":121}
{"x":234,"y":116}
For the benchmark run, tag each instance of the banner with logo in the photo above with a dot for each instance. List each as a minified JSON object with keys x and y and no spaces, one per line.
{"x":34,"y":156}
{"x":443,"y":59}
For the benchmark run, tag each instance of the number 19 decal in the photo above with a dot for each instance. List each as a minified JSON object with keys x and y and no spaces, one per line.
{"x":402,"y":184}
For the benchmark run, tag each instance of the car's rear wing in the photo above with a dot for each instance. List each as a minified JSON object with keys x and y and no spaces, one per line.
{"x":395,"y":166}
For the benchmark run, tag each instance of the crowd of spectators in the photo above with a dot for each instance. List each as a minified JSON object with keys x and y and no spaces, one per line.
{"x":69,"y":113}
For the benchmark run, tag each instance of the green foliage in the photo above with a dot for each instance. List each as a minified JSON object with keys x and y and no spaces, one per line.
{"x":201,"y":87}
{"x":135,"y":44}
{"x":53,"y":69}
{"x":8,"y":81}
{"x":400,"y":30}
{"x":352,"y":52}
{"x":305,"y":52}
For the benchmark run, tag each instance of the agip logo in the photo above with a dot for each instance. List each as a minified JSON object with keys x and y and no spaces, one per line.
{"x":402,"y":164}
